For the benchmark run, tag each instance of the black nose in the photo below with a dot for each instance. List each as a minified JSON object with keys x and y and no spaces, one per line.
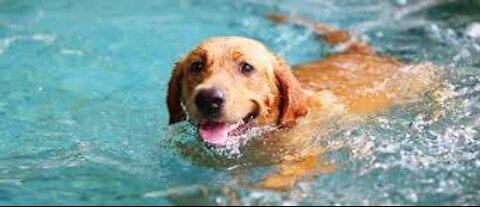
{"x":210,"y":102}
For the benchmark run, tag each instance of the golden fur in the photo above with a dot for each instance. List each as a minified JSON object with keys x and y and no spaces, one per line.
{"x":345,"y":87}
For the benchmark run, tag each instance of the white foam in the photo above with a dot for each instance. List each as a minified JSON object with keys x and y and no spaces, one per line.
{"x":40,"y":37}
{"x":72,"y":52}
{"x":232,"y":149}
{"x":473,"y":30}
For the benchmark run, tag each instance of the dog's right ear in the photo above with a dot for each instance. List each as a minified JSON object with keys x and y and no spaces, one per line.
{"x":174,"y":104}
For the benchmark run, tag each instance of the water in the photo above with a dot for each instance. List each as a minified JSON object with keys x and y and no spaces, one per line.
{"x":83,"y":119}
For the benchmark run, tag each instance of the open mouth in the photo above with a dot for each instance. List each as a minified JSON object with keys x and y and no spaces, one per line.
{"x":220,"y":133}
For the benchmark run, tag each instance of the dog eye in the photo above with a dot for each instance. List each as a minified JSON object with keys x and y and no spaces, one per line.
{"x":246,"y":68}
{"x":196,"y":67}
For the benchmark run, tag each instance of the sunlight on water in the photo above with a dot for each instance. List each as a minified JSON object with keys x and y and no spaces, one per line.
{"x":83,"y":119}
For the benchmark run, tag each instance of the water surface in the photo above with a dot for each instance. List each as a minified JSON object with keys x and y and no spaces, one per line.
{"x":83,"y":119}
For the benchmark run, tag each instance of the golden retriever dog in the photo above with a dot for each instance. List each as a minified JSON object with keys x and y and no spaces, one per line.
{"x":229,"y":85}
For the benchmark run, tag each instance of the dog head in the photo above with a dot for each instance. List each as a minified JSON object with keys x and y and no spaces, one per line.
{"x":227,"y":85}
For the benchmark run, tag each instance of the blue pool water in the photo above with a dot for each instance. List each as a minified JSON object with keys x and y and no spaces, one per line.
{"x":83,"y":119}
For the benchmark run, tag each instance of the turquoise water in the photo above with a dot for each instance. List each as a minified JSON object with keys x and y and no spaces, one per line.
{"x":83,"y":119}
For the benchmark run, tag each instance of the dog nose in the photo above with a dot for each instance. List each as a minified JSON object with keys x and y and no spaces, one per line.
{"x":210,"y":101}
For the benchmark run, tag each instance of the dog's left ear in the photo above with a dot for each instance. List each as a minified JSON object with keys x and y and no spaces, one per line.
{"x":293,"y":101}
{"x":174,"y":96}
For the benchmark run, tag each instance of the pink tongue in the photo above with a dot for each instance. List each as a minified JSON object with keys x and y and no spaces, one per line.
{"x":214,"y":133}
